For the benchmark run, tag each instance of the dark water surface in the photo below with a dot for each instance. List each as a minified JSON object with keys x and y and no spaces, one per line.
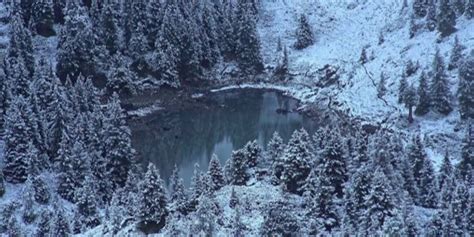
{"x":231,"y":119}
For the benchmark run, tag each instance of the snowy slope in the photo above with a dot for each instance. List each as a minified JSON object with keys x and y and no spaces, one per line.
{"x":342,"y":29}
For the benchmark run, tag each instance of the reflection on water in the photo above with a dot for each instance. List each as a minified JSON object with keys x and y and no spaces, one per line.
{"x":192,"y":135}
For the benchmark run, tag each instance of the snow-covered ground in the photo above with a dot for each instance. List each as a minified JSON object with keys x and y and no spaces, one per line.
{"x":342,"y":29}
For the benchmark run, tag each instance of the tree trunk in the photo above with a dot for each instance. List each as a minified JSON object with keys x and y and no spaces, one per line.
{"x":410,"y":114}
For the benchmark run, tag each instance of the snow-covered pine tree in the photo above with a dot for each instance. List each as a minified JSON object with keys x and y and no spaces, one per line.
{"x":70,"y":166}
{"x":120,"y":78}
{"x":446,"y":18}
{"x":363,"y":59}
{"x":18,"y":80}
{"x":460,"y":205}
{"x":206,"y":216}
{"x":43,"y":17}
{"x":44,"y":224}
{"x":417,"y":156}
{"x":109,"y":32}
{"x":85,"y":200}
{"x":41,"y":194}
{"x":281,"y":70}
{"x":466,"y":163}
{"x":60,"y":225}
{"x":409,"y":99}
{"x":237,"y":165}
{"x":423,"y":105}
{"x":152,"y":202}
{"x":216,"y":173}
{"x":253,"y":153}
{"x":419,"y":8}
{"x":469,"y":11}
{"x":431,"y":19}
{"x":466,"y":88}
{"x":459,"y":7}
{"x":21,"y":46}
{"x":274,"y":152}
{"x":2,"y":185}
{"x":322,"y":207}
{"x":380,"y":203}
{"x":154,"y":11}
{"x":296,"y":162}
{"x":440,"y":92}
{"x":356,"y":191}
{"x":402,"y":87}
{"x":248,"y":44}
{"x":279,"y":220}
{"x":470,"y":215}
{"x":134,"y":16}
{"x":381,"y":86}
{"x":413,"y":27}
{"x":118,"y":150}
{"x":427,"y":189}
{"x":332,"y":164}
{"x":456,"y":54}
{"x":233,"y":200}
{"x":76,"y":44}
{"x":18,"y":150}
{"x":446,"y":171}
{"x":304,"y":33}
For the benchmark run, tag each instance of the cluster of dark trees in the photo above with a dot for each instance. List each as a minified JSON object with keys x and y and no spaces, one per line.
{"x":433,"y":92}
{"x":171,"y":41}
{"x":440,"y":15}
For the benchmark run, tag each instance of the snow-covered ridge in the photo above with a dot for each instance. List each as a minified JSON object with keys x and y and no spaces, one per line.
{"x":342,"y":29}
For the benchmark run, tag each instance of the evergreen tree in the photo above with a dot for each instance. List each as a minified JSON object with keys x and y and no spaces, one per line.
{"x":417,"y":156}
{"x":423,"y":105}
{"x":109,"y":33}
{"x":60,"y":225}
{"x":304,"y":33}
{"x":76,"y":44}
{"x":380,"y":203}
{"x":459,"y":7}
{"x":206,"y":215}
{"x":21,"y":46}
{"x":446,"y":171}
{"x":118,"y":150}
{"x":275,"y":151}
{"x":466,"y":89}
{"x":279,"y":220}
{"x":456,"y":54}
{"x":152,"y":199}
{"x":253,"y":153}
{"x":431,"y":19}
{"x":469,"y":11}
{"x":460,"y":205}
{"x":120,"y":78}
{"x":248,"y":44}
{"x":238,"y":168}
{"x":322,"y":208}
{"x":470,"y":215}
{"x":413,"y":27}
{"x":296,"y":162}
{"x":71,"y":168}
{"x":154,"y":11}
{"x":177,"y":191}
{"x":419,"y":7}
{"x":440,"y":94}
{"x":164,"y":62}
{"x":233,"y":200}
{"x":42,"y":194}
{"x":18,"y":79}
{"x":446,"y":18}
{"x":332,"y":165}
{"x":216,"y":173}
{"x":13,"y":228}
{"x":363,"y":56}
{"x":44,"y":225}
{"x":409,"y":99}
{"x":402,"y":87}
{"x":281,"y":70}
{"x":464,"y":167}
{"x":86,"y":203}
{"x":427,"y":188}
{"x":2,"y":185}
{"x":19,"y":150}
{"x":381,"y":87}
{"x":43,"y":17}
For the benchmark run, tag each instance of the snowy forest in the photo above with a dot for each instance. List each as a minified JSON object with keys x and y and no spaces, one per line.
{"x":393,"y":80}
